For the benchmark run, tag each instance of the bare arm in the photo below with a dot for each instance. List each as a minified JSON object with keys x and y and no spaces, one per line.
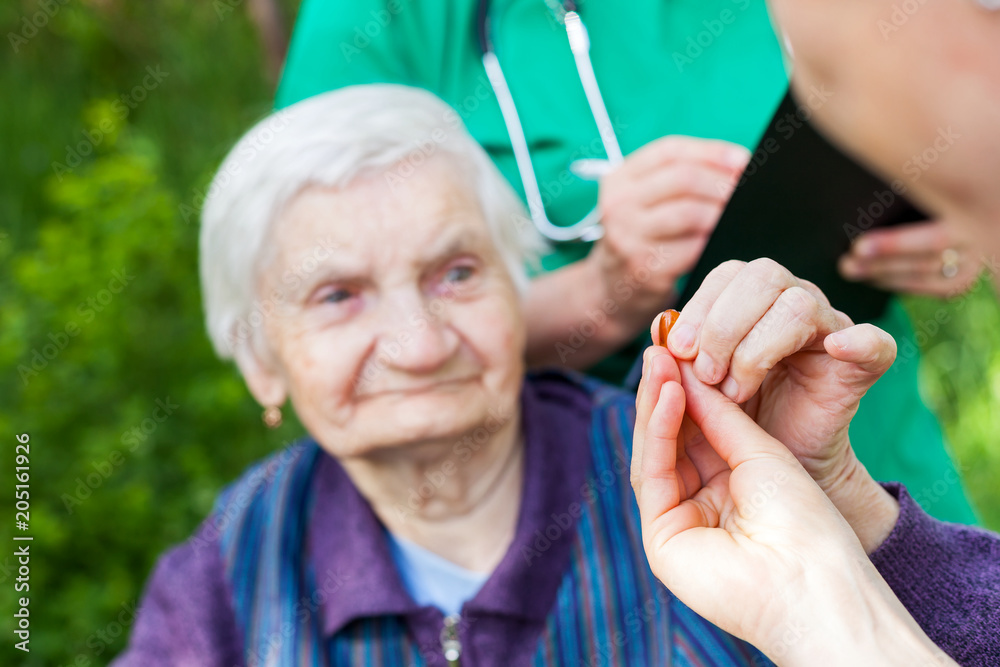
{"x":575,"y":319}
{"x":658,"y":209}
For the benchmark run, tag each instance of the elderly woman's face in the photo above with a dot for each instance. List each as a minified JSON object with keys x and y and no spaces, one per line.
{"x":399,"y":323}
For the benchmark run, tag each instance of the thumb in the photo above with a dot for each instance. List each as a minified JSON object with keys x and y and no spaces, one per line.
{"x":732,"y":433}
{"x":869,"y":350}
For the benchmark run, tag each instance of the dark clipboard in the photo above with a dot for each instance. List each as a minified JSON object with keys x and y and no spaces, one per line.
{"x":801,"y":202}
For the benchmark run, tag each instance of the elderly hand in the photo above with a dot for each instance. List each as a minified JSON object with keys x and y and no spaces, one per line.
{"x":658,"y":209}
{"x":737,"y":530}
{"x":927,"y":258}
{"x":800,"y":368}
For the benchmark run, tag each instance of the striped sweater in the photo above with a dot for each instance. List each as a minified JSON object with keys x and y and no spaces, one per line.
{"x":293,"y":568}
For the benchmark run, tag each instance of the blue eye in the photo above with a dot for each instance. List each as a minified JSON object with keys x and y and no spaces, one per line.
{"x":337,"y":296}
{"x":458,"y":274}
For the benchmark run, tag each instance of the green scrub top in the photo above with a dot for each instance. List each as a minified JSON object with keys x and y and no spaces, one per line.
{"x":704,"y":68}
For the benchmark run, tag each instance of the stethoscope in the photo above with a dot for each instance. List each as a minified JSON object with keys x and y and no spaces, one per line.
{"x":589,"y":228}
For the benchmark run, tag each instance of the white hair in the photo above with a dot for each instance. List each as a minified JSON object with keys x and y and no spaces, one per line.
{"x":329,"y":140}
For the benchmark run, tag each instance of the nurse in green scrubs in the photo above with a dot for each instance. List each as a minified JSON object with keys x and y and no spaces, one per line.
{"x":698,"y":68}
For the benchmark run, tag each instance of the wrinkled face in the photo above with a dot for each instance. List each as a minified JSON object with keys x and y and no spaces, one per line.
{"x":398,"y":323}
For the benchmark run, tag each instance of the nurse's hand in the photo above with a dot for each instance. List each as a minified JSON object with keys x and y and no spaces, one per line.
{"x":926,"y":258}
{"x":741,"y":534}
{"x":658,"y":209}
{"x":799,"y":367}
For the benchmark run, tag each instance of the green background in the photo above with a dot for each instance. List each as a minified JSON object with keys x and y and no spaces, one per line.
{"x":85,"y":358}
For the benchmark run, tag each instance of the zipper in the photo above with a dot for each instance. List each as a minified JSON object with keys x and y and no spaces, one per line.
{"x":451,"y":647}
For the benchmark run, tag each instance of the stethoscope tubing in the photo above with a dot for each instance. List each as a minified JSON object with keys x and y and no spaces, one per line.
{"x":589,"y":228}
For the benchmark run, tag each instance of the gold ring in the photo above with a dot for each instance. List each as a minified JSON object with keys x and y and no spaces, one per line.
{"x":949,"y":263}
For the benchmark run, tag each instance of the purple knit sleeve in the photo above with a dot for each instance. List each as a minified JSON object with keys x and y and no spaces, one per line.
{"x":186,"y":616}
{"x":948,"y":577}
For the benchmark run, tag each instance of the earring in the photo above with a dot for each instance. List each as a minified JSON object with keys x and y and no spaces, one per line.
{"x":272,"y":416}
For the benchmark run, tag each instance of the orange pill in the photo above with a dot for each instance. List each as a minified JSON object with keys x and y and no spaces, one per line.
{"x":666,"y":322}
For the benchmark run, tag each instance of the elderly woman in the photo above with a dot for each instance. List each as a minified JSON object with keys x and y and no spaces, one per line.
{"x":664,"y":199}
{"x":358,"y":261}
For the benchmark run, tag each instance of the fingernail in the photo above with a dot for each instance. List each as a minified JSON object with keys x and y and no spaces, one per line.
{"x":851,"y":268}
{"x":730,"y":388}
{"x":682,"y":337}
{"x":839,"y":340}
{"x":705,"y":369}
{"x":737,"y":158}
{"x":865,"y":248}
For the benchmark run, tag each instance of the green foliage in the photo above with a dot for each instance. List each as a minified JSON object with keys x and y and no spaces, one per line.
{"x":961,"y":379}
{"x":135,"y":426}
{"x":100,"y":321}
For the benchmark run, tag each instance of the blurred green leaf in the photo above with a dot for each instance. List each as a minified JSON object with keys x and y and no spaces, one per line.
{"x":100,"y":315}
